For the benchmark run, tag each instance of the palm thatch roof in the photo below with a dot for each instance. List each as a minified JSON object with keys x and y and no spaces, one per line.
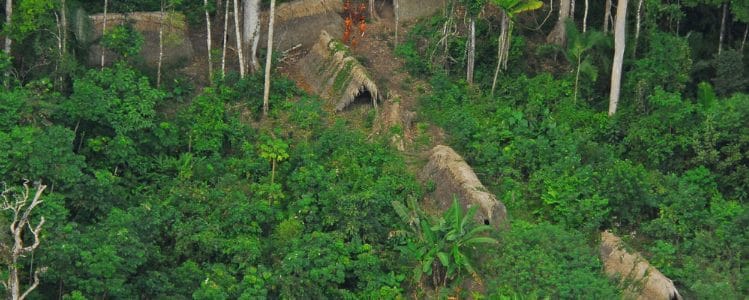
{"x":636,"y":276}
{"x":334,"y":73}
{"x":453,"y":177}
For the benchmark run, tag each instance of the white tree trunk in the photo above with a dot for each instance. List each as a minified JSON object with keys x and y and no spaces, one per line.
{"x":572,"y":10}
{"x":252,"y":32}
{"x":637,"y":28}
{"x":161,"y":45}
{"x":268,"y":59}
{"x":606,"y":16}
{"x":471,"y":52}
{"x":585,"y":17}
{"x":64,"y":19}
{"x":722,"y":27}
{"x":208,"y":40}
{"x":225,"y":36}
{"x":8,"y":18}
{"x":21,"y":211}
{"x":558,"y":35}
{"x":396,"y":9}
{"x":373,"y":11}
{"x":619,"y":46}
{"x":503,"y":47}
{"x":743,"y":41}
{"x":238,"y":35}
{"x":103,"y":32}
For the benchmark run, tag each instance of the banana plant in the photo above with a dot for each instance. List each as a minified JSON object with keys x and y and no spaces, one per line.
{"x":510,"y":9}
{"x":439,"y":245}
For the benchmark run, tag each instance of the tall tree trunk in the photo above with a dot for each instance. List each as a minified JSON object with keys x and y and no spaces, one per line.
{"x":8,"y":41}
{"x":268,"y":56}
{"x":373,"y":11}
{"x":208,"y":40}
{"x":225,"y":36}
{"x":238,"y":36}
{"x":743,"y":41}
{"x":606,"y":16}
{"x":558,"y":35}
{"x":471,"y":52}
{"x":396,"y":10}
{"x":572,"y":10}
{"x":64,"y":20}
{"x":252,"y":32}
{"x":637,"y":28}
{"x":8,"y":18}
{"x":161,"y":45}
{"x":619,"y":46}
{"x":585,"y":17}
{"x":103,"y":32}
{"x":722,"y":27}
{"x":503,"y":46}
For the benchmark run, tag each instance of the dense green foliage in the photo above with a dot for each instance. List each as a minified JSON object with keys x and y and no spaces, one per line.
{"x":669,"y":166}
{"x":184,"y":191}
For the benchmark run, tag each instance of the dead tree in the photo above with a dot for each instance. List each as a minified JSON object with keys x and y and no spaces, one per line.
{"x":17,"y":203}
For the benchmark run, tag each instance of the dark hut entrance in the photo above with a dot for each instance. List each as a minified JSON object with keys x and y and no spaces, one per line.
{"x":362,"y":101}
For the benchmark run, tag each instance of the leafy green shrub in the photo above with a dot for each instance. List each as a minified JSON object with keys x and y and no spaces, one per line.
{"x":548,"y":261}
{"x":729,"y":72}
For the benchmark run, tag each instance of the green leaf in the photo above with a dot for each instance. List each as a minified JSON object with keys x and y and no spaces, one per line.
{"x":481,"y":240}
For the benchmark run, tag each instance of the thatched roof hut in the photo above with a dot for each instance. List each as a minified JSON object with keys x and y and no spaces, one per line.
{"x":177,"y":45}
{"x":636,"y":276}
{"x":453,"y":177}
{"x":335,"y":74}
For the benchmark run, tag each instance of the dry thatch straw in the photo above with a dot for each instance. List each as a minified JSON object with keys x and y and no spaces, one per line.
{"x":637,"y":277}
{"x":333,"y":73}
{"x":454,"y":177}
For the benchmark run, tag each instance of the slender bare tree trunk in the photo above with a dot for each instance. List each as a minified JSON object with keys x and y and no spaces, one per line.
{"x":8,"y":18}
{"x":558,"y":35}
{"x":226,"y":35}
{"x":103,"y":32}
{"x":572,"y":10}
{"x":64,"y":19}
{"x":503,"y":46}
{"x":208,"y":40}
{"x":396,"y":9}
{"x":585,"y":17}
{"x":637,"y":28}
{"x":373,"y":11}
{"x":238,"y":35}
{"x":471,"y":52}
{"x":619,"y":46}
{"x":743,"y":41}
{"x":161,"y":45}
{"x":252,"y":32}
{"x":268,"y":58}
{"x":606,"y":16}
{"x":722,"y":27}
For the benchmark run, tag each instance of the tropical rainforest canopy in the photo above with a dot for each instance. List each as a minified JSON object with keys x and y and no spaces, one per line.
{"x":152,"y":149}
